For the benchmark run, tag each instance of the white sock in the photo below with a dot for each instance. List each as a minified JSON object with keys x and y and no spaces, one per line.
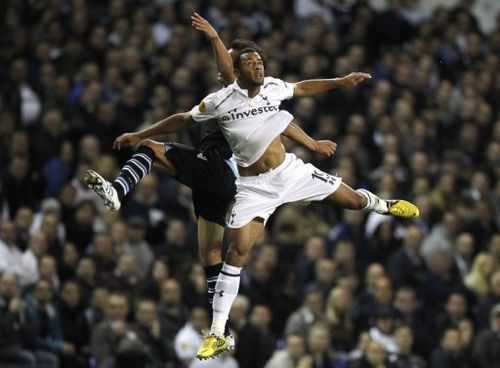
{"x":226,"y":291}
{"x":374,"y":203}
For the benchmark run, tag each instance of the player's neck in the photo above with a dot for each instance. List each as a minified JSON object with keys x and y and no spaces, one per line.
{"x":252,"y":90}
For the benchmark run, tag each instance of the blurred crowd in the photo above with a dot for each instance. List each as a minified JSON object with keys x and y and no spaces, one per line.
{"x":325,"y":288}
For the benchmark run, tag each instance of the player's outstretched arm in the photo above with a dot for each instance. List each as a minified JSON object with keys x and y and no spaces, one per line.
{"x":222,"y":57}
{"x":312,"y":87}
{"x":296,"y":134}
{"x":171,"y":124}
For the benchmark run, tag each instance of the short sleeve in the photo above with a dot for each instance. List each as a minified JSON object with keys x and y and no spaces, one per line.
{"x":279,"y":88}
{"x":205,"y":110}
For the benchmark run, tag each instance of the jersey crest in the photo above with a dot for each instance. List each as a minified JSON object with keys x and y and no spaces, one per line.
{"x":202,"y":106}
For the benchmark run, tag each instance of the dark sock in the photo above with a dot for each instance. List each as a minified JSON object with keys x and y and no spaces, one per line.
{"x":134,"y":170}
{"x":212,"y":274}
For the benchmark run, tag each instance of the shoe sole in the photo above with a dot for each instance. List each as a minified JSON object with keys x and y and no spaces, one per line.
{"x":404,"y":209}
{"x":95,"y":182}
{"x":214,"y":355}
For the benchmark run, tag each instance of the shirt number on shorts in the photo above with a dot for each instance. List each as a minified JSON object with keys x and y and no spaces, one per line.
{"x":323,"y":177}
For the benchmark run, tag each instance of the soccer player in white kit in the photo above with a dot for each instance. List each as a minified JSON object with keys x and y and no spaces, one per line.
{"x":248,"y":113}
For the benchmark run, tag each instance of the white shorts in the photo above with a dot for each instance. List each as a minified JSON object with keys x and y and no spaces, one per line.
{"x":291,"y":181}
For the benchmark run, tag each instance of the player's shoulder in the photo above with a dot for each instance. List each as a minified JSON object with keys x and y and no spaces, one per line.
{"x":273,"y":83}
{"x":218,"y":97}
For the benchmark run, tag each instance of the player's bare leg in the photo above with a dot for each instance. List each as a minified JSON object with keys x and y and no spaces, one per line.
{"x":161,"y":157}
{"x":241,"y":242}
{"x":363,"y":199}
{"x":210,"y":238}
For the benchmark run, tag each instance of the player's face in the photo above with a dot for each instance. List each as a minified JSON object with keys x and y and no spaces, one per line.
{"x":251,"y":69}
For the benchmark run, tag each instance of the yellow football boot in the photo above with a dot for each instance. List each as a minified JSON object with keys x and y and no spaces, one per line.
{"x":403,"y":209}
{"x":212,"y":346}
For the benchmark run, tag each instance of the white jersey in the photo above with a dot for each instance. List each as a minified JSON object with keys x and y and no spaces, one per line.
{"x":248,"y":124}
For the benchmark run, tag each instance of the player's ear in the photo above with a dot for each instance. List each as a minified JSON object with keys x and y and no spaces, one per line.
{"x":236,"y":72}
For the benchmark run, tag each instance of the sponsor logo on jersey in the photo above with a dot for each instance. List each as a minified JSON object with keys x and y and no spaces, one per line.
{"x":201,"y":156}
{"x":233,"y":115}
{"x":202,"y":106}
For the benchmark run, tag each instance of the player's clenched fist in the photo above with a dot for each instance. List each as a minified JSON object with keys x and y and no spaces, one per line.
{"x":126,"y":140}
{"x":353,"y":79}
{"x":201,"y":24}
{"x":325,"y":147}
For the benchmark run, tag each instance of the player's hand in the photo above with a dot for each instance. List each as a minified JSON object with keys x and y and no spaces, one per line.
{"x":325,"y":147}
{"x":353,"y":79}
{"x":126,"y":140}
{"x":201,"y":24}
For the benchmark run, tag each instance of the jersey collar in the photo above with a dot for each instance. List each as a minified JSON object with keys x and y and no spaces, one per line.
{"x":244,"y":92}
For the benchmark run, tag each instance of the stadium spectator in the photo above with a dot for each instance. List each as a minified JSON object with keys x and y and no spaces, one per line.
{"x":149,"y":332}
{"x":290,"y":355}
{"x":310,"y":312}
{"x":74,"y":325}
{"x":406,"y":267}
{"x":15,"y":328}
{"x":319,"y":345}
{"x":44,"y":320}
{"x":10,"y":254}
{"x":173,"y":313}
{"x":487,"y":343}
{"x":109,"y":334}
{"x":339,"y":311}
{"x":486,"y":305}
{"x":373,"y":357}
{"x":450,"y":353}
{"x":403,"y":337}
{"x":136,"y":245}
{"x":261,"y":318}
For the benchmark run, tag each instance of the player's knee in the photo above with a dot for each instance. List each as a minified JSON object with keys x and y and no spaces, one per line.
{"x":210,"y":256}
{"x":150,"y":144}
{"x":358,"y":202}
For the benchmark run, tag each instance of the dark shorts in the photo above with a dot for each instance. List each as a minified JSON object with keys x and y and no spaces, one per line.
{"x":208,"y":175}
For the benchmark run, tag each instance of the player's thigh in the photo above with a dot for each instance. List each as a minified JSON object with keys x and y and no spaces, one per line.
{"x":161,"y":157}
{"x":210,"y":238}
{"x":346,"y":197}
{"x":242,"y":240}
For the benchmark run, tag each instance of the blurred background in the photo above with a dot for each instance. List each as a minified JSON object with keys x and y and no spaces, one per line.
{"x":82,"y":287}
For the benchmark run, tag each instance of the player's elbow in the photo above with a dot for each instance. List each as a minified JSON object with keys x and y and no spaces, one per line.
{"x":227,"y":76}
{"x":185,"y":118}
{"x":287,"y":131}
{"x":299,"y":91}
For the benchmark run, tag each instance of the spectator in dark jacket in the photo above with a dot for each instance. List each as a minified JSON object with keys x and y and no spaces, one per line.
{"x":491,"y":299}
{"x":247,"y":335}
{"x":487,"y":343}
{"x":74,"y":325}
{"x":148,"y":328}
{"x":449,"y":354}
{"x":406,"y":266}
{"x":14,"y":328}
{"x":45,"y":323}
{"x":173,"y":313}
{"x":113,"y":331}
